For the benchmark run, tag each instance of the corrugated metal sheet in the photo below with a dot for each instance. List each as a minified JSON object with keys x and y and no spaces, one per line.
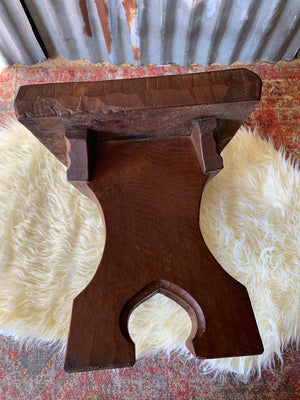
{"x":151,"y":31}
{"x":17,"y":40}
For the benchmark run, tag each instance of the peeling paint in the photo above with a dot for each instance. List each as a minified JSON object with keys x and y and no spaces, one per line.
{"x":143,"y":32}
{"x":130,"y":7}
{"x":103,"y":13}
{"x":136,"y":52}
{"x":85,"y":16}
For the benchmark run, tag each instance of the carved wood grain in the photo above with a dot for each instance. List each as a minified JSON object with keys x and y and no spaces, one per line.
{"x":143,"y":150}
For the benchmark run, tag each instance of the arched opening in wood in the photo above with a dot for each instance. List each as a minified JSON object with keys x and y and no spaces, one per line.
{"x":174,"y":292}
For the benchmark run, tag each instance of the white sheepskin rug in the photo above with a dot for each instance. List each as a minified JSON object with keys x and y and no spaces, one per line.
{"x":52,"y":237}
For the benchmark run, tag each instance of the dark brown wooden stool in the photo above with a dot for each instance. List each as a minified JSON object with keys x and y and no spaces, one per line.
{"x":143,"y":150}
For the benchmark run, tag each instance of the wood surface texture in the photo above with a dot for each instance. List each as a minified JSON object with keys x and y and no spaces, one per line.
{"x":143,"y":150}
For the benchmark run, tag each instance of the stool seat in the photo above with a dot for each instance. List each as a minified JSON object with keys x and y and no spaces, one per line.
{"x":143,"y":150}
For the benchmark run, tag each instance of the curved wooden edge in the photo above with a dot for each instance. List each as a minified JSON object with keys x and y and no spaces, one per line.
{"x":174,"y":292}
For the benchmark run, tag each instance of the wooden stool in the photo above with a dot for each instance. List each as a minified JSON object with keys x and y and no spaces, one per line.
{"x":143,"y":150}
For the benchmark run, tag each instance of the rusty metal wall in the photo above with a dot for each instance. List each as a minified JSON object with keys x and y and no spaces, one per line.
{"x":149,"y":31}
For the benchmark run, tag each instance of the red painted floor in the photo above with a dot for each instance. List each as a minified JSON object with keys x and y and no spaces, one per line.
{"x":38,"y":373}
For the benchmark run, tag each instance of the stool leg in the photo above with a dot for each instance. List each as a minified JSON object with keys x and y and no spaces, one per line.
{"x":150,"y":193}
{"x":95,"y":338}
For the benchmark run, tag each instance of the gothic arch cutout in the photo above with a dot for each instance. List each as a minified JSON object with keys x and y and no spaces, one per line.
{"x":174,"y":292}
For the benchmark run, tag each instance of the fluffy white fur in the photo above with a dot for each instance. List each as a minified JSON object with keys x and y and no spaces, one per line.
{"x":51,"y":241}
{"x":250,"y":219}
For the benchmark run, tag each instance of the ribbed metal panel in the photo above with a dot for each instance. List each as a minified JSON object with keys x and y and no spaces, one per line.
{"x":17,"y":40}
{"x":151,"y":31}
